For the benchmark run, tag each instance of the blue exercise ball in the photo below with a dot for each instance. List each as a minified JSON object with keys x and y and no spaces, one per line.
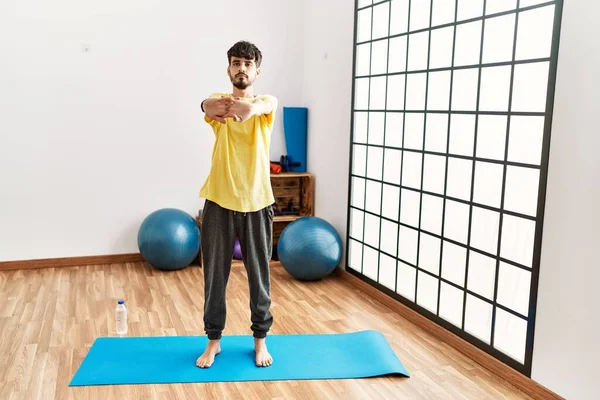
{"x":169,"y":239}
{"x":309,"y":248}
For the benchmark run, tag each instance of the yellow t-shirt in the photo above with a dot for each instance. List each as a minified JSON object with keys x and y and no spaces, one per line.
{"x":240,"y":178}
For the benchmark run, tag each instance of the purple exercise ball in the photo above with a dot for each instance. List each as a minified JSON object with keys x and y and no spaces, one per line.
{"x":237,"y":250}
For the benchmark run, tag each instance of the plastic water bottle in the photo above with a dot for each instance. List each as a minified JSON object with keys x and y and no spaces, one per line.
{"x":121,"y":321}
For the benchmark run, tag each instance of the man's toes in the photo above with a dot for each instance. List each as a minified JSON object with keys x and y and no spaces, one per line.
{"x":202,"y":363}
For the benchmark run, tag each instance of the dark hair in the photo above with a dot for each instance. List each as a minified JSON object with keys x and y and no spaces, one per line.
{"x":247,"y":50}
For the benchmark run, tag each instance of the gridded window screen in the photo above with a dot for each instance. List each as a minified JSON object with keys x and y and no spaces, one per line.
{"x":451,"y":119}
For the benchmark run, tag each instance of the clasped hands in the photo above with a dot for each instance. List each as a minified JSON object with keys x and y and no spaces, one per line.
{"x":228,"y":107}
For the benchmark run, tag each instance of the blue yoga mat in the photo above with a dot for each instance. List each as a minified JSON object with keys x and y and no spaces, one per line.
{"x":295,"y":126}
{"x":172,"y":359}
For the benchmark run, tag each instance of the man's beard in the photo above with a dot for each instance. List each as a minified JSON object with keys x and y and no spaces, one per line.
{"x":241,"y":83}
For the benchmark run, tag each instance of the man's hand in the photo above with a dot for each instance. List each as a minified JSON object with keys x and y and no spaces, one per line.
{"x":240,"y":110}
{"x":218,"y":109}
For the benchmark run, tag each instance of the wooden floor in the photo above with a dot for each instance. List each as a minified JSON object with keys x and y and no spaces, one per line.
{"x":49,"y":318}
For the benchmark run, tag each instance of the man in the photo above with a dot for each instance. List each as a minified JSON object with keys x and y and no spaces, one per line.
{"x":239,"y":200}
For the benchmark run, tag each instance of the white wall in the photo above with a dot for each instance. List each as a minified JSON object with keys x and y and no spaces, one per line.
{"x":327,"y":91}
{"x":567,"y":345}
{"x":93,"y":141}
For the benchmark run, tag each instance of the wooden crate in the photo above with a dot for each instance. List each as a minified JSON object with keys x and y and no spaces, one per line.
{"x":293,"y":194}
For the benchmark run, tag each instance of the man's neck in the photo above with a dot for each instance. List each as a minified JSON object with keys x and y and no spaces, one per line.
{"x":247,"y":93}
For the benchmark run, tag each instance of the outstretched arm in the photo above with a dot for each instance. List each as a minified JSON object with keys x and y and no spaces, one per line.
{"x":241,"y":110}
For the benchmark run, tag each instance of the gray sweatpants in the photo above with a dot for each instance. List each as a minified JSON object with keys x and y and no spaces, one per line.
{"x":220,"y":227}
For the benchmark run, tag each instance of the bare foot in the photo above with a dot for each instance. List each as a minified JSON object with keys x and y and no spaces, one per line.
{"x":208,"y":357}
{"x":263,"y":358}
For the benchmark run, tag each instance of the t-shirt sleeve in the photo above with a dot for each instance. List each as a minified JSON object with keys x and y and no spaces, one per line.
{"x":270,"y":117}
{"x":206,"y":117}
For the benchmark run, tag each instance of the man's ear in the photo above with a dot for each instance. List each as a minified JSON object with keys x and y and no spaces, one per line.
{"x":257,"y":72}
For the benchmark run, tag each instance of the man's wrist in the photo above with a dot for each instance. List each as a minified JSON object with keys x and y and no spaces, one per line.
{"x":205,"y":103}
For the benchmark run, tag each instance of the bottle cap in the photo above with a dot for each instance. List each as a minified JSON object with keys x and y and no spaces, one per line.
{"x":121,"y":302}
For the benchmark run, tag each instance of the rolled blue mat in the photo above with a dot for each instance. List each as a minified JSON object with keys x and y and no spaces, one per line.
{"x":172,"y":359}
{"x":295,"y":126}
